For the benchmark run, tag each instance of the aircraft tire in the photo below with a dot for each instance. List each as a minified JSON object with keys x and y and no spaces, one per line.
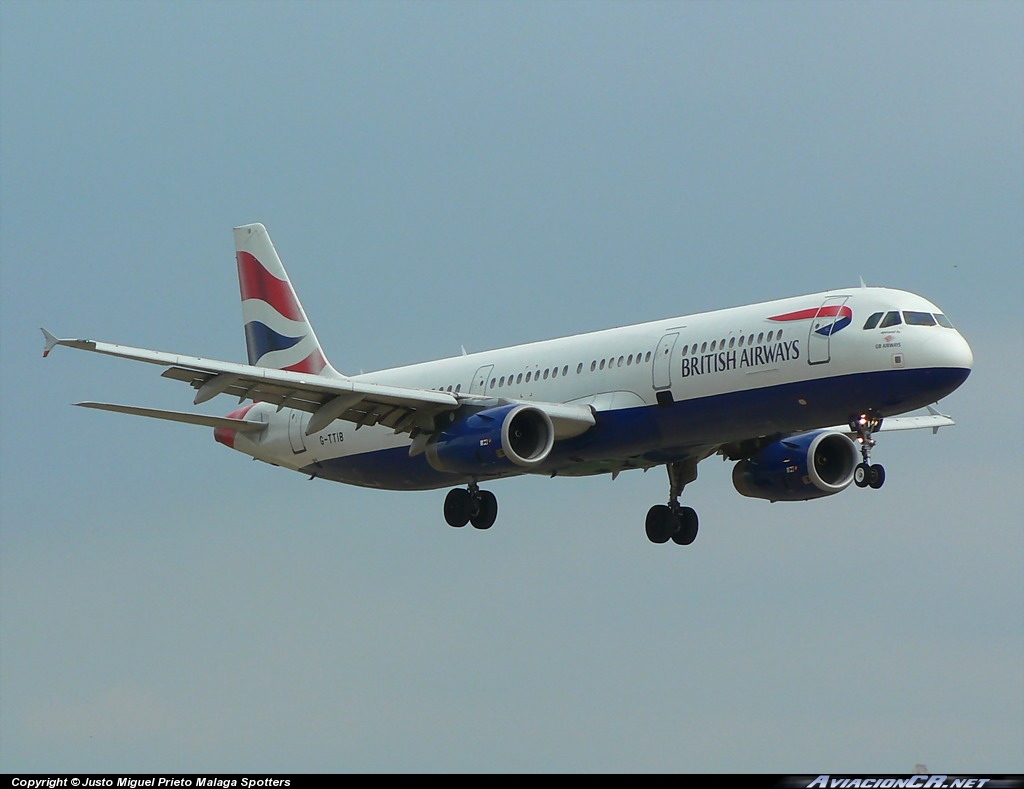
{"x":486,"y":511}
{"x":661,"y":524}
{"x":861,"y":475}
{"x":876,"y":476}
{"x":688,"y":523}
{"x":457,"y":507}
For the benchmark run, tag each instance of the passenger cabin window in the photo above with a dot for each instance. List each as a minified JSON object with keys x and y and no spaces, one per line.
{"x":919,"y":318}
{"x":890,"y":319}
{"x":872,"y":322}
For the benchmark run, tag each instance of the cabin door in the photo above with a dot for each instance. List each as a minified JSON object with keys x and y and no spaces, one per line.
{"x":663,"y":361}
{"x":829,"y":319}
{"x":479,"y":383}
{"x":296,"y":430}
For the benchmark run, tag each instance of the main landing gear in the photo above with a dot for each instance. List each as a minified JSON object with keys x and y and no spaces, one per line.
{"x":472,"y":505}
{"x":671,"y":521}
{"x":866,"y":474}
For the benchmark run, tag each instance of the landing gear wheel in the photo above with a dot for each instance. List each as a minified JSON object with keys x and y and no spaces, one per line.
{"x":670,"y":521}
{"x":687,"y":531}
{"x":458,"y":505}
{"x":486,"y":510}
{"x":661,"y":523}
{"x":865,"y":474}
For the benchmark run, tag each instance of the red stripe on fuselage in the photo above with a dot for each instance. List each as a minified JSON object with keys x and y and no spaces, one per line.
{"x":815,"y":312}
{"x":226,"y":435}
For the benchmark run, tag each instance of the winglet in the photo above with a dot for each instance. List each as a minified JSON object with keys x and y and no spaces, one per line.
{"x":935,"y":412}
{"x":51,"y":341}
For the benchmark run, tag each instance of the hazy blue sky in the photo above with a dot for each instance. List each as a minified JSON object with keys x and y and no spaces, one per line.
{"x":482,"y":174}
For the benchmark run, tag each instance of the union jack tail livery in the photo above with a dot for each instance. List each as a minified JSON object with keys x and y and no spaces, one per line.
{"x":277,"y":333}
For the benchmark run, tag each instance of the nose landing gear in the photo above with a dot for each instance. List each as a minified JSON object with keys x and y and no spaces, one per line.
{"x":866,"y":474}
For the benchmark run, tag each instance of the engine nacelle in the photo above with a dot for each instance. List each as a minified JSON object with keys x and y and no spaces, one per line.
{"x":798,"y":468}
{"x":492,"y":440}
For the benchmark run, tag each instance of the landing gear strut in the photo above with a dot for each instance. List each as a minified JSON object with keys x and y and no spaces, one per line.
{"x":671,"y":521}
{"x":866,"y":474}
{"x":472,"y":505}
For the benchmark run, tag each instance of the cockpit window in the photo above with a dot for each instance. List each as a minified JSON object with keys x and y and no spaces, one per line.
{"x":890,"y":319}
{"x":872,"y":322}
{"x":919,"y":318}
{"x":943,"y":320}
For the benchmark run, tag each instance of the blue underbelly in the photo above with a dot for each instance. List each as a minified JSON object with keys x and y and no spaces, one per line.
{"x":661,"y":433}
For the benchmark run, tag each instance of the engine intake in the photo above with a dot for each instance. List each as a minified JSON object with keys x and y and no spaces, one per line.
{"x":494,"y":439}
{"x":798,"y":468}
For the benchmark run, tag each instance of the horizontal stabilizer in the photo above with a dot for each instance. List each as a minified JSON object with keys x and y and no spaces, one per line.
{"x":241,"y":425}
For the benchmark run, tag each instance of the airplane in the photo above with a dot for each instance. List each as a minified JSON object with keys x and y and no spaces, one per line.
{"x":793,"y":391}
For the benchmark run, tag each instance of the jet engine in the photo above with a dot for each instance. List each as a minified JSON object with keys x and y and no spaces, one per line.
{"x":493,"y":440}
{"x":798,"y":468}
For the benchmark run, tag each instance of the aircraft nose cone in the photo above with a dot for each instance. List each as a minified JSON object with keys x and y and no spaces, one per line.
{"x":949,"y":350}
{"x":951,"y":361}
{"x":959,"y":353}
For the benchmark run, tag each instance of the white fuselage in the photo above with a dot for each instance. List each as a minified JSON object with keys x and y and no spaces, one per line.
{"x":663,"y":390}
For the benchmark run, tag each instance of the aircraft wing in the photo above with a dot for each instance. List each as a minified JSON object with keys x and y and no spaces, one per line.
{"x":327,"y":398}
{"x":933,"y":419}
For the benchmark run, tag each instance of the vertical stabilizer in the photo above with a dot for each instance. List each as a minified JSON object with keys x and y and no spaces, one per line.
{"x":277,"y":333}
